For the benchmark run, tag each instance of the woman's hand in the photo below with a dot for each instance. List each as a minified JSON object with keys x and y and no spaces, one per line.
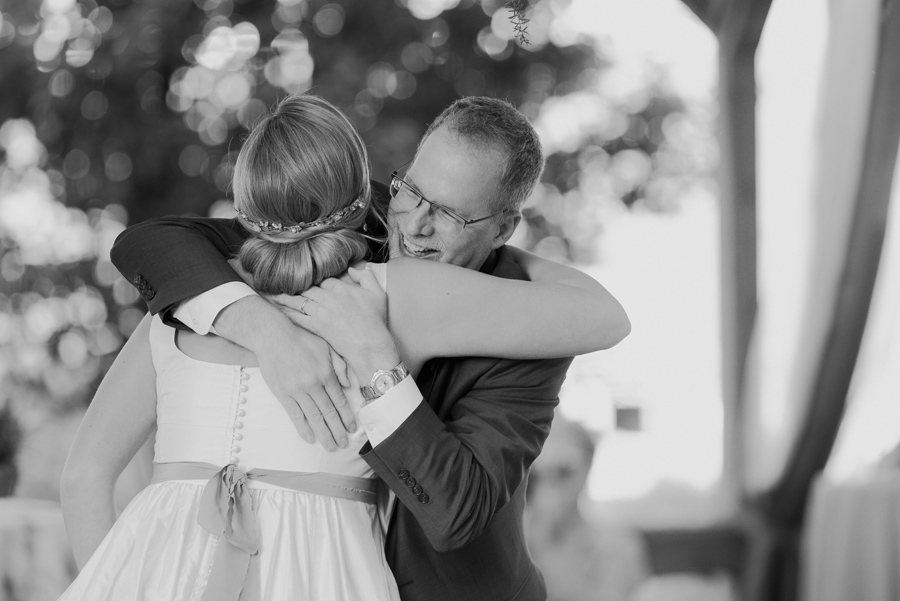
{"x":351,"y":317}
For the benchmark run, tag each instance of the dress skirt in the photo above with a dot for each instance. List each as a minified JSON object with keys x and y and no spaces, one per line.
{"x":311,"y":547}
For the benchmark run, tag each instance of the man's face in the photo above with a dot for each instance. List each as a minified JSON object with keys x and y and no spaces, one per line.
{"x":449,"y":172}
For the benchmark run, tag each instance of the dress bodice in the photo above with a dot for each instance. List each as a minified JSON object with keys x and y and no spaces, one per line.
{"x":218,"y":414}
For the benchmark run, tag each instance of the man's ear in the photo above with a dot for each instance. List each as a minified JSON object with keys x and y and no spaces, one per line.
{"x":507,"y":226}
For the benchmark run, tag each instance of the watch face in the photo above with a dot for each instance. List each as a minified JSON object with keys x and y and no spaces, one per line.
{"x":383,"y":382}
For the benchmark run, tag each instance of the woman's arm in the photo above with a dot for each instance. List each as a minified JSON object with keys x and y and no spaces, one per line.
{"x":545,"y":271}
{"x":118,"y":421}
{"x":439,"y":310}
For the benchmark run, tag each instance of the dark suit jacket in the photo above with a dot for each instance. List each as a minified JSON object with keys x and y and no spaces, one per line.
{"x":465,"y":452}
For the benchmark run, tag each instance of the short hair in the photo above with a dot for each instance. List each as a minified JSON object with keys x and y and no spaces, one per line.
{"x":495,"y":125}
{"x":302,"y":162}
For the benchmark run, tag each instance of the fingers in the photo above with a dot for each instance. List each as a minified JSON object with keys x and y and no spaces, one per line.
{"x":297,"y":318}
{"x":315,"y":293}
{"x":328,"y":285}
{"x":328,"y":425}
{"x":355,"y":273}
{"x":340,"y":370}
{"x":313,"y":416}
{"x":297,"y":418}
{"x":295,"y":303}
{"x":346,"y":278}
{"x":280,"y":299}
{"x":342,"y":405}
{"x":331,"y":284}
{"x":310,"y":392}
{"x":368,"y":281}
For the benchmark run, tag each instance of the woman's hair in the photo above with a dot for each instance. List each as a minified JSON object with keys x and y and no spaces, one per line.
{"x":303,"y":163}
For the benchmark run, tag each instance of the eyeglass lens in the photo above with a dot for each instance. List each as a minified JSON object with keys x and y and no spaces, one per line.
{"x":406,"y":199}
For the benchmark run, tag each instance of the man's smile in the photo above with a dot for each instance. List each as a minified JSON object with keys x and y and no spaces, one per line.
{"x":418,"y":251}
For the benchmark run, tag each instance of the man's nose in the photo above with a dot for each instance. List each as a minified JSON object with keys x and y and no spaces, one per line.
{"x":418,"y":221}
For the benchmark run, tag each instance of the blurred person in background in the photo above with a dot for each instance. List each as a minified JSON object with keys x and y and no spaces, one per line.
{"x":272,"y":535}
{"x":581,"y":559}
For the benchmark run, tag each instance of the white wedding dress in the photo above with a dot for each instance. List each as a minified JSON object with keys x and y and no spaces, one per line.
{"x":310,"y":546}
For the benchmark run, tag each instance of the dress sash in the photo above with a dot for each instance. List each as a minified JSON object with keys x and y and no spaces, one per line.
{"x":226,"y":510}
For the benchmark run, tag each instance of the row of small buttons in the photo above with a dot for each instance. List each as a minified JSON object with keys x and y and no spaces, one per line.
{"x":238,"y":424}
{"x":144,"y":287}
{"x":415,"y":489}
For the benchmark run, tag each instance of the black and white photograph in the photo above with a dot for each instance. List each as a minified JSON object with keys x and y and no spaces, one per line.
{"x":449,"y":300}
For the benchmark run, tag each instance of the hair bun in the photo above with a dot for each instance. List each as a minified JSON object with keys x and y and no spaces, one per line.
{"x":304,"y":164}
{"x":278,"y":267}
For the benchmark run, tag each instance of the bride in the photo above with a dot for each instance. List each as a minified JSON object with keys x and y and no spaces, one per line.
{"x":240,"y":506}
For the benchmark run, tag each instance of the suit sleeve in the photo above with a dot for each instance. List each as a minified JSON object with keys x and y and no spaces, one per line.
{"x":454,"y":475}
{"x":171,"y":259}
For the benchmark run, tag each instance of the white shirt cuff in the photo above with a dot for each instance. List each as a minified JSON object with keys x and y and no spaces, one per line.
{"x":384,"y":415}
{"x":199,"y":313}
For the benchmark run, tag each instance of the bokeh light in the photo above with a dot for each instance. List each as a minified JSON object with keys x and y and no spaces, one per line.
{"x":329,"y":20}
{"x":428,"y":9}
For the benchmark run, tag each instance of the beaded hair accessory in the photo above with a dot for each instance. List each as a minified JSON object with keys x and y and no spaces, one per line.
{"x":268,"y":227}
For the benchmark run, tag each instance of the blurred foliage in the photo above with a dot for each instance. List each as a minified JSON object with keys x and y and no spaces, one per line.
{"x":112,"y":114}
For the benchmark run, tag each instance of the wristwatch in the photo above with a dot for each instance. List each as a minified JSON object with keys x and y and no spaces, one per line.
{"x":382,"y":381}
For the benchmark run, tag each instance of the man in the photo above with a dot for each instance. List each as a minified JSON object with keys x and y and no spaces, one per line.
{"x":458,"y":461}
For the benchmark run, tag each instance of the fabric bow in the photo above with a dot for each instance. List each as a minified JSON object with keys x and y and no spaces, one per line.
{"x":226,"y":510}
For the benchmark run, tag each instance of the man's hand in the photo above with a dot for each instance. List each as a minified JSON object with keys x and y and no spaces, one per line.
{"x":351,"y":317}
{"x":299,"y":368}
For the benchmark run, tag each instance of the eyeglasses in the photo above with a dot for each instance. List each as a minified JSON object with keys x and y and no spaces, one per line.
{"x":406,"y":198}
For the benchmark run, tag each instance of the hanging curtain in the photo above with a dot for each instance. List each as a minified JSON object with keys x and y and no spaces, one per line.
{"x":800,"y":270}
{"x":792,"y":424}
{"x":870,"y":432}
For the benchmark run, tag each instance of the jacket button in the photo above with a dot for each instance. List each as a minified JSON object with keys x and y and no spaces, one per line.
{"x":147,"y":291}
{"x":417,"y":490}
{"x":424,"y":498}
{"x":410,"y":482}
{"x":403,"y":474}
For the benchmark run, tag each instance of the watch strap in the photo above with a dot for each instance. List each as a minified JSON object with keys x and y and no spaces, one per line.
{"x":372,"y":391}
